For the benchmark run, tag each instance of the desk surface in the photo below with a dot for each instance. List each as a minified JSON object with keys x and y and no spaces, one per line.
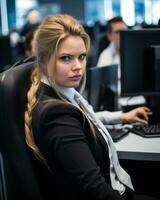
{"x":134,"y":147}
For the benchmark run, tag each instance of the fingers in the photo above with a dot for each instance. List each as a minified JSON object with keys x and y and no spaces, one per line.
{"x":140,"y":114}
{"x":144,"y":109}
{"x":143,"y":115}
{"x":142,"y":121}
{"x":147,"y":110}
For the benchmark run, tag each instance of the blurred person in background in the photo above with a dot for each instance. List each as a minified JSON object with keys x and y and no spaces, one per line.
{"x":33,"y":20}
{"x":111,"y":55}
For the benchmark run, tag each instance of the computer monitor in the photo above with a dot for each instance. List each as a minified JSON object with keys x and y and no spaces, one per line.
{"x":140,"y":65}
{"x":140,"y":62}
{"x":102,"y":87}
{"x":6,"y":52}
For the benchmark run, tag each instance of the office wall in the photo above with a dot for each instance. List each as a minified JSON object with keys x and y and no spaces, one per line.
{"x":11,"y":13}
{"x":74,"y":8}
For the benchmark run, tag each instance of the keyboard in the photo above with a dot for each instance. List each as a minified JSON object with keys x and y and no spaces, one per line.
{"x":117,"y":133}
{"x":148,"y":131}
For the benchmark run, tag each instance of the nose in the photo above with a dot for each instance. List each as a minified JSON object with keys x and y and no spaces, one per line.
{"x":77,"y":65}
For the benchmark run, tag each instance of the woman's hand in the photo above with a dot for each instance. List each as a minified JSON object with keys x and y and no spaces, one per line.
{"x":140,"y":114}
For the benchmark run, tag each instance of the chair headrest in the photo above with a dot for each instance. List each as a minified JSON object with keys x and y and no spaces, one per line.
{"x":14,"y":84}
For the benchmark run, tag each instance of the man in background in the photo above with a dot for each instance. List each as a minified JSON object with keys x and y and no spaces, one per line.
{"x":111,"y":55}
{"x":33,"y":20}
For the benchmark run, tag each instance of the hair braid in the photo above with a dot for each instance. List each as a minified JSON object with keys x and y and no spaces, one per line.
{"x":31,"y":95}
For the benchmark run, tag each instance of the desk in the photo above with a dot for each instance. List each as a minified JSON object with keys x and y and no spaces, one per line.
{"x":134,"y":147}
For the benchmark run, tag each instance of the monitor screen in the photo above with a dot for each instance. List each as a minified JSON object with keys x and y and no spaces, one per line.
{"x":6,"y":52}
{"x":140,"y":62}
{"x":102,"y":87}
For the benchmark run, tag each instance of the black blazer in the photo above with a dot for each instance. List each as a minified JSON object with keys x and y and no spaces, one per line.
{"x":79,"y":162}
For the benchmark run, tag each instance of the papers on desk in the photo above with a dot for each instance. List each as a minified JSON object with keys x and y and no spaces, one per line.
{"x":125,"y":101}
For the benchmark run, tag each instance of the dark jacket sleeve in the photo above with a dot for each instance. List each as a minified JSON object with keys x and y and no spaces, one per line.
{"x":63,"y":135}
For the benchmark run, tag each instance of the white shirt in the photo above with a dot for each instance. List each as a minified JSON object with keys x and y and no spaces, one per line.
{"x":109,"y":56}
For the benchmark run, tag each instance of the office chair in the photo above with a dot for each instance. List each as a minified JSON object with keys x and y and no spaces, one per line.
{"x":3,"y":192}
{"x":21,"y":181}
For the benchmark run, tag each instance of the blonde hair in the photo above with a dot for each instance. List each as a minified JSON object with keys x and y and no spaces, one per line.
{"x":47,"y":38}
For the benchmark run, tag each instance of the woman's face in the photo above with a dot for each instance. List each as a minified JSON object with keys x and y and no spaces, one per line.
{"x":70,"y":62}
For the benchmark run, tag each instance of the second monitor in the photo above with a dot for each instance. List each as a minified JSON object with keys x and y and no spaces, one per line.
{"x":140,"y":66}
{"x":102,"y":87}
{"x":140,"y":62}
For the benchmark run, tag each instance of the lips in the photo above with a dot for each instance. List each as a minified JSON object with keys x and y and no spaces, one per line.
{"x":76,"y":77}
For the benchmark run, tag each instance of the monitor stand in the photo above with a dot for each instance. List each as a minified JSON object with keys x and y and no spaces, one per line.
{"x":153,"y":102}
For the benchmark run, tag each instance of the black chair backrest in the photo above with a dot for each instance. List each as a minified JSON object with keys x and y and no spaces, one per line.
{"x":3,"y":191}
{"x":21,"y":181}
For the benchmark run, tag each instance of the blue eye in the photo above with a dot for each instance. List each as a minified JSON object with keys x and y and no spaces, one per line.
{"x":82,"y":56}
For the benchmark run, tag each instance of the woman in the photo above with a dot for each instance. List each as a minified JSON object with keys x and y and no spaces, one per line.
{"x":62,"y":129}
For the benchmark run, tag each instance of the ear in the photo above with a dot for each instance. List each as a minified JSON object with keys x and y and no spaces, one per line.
{"x":109,"y":36}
